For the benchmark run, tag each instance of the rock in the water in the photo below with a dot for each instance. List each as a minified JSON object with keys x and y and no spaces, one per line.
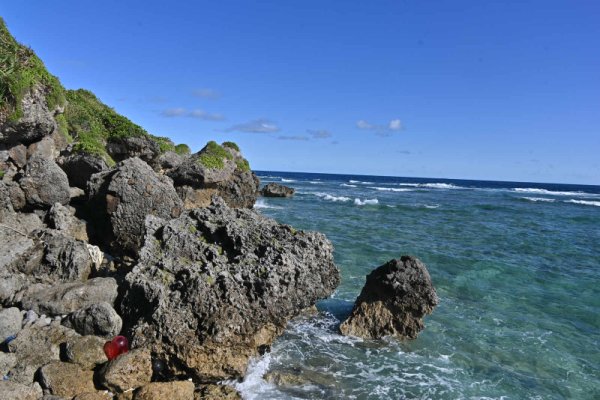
{"x":87,"y":351}
{"x":122,"y":197}
{"x":66,"y":379}
{"x":17,"y":391}
{"x":79,"y":167}
{"x":277,"y":190}
{"x":393,"y":302}
{"x":128,"y":371}
{"x":97,"y":319}
{"x":36,"y":121}
{"x":64,"y":298}
{"x":216,"y":285}
{"x":177,"y":390}
{"x":44,"y":183}
{"x":10,"y":322}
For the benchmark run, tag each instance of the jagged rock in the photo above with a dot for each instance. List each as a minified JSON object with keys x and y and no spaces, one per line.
{"x":194,"y":173}
{"x":142,"y":147}
{"x":122,"y":197}
{"x":216,"y":285}
{"x":12,"y":195}
{"x":10,"y":322}
{"x":11,"y":390}
{"x":195,"y":198}
{"x":36,"y":121}
{"x":7,"y":362}
{"x":239,"y":191}
{"x":44,"y":183}
{"x":217,"y":392}
{"x":64,"y":298}
{"x":277,"y":190}
{"x":18,"y":155}
{"x":393,"y":302}
{"x":87,"y":351}
{"x":97,"y":319}
{"x":128,"y":371}
{"x":79,"y":167}
{"x":169,"y":160}
{"x":177,"y":390}
{"x":34,"y":346}
{"x":63,"y":218}
{"x":45,"y":148}
{"x":66,"y":379}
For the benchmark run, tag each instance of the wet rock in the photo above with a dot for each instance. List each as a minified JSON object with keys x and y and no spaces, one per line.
{"x":10,"y":322}
{"x":128,"y":371}
{"x":62,"y":218}
{"x":44,"y":183}
{"x":178,"y":390}
{"x":216,"y":392}
{"x":393,"y":302}
{"x":97,"y":319}
{"x":87,"y":351}
{"x":122,"y":197}
{"x":79,"y":167}
{"x":66,"y":379}
{"x":36,"y":121}
{"x":277,"y":190}
{"x":11,"y":390}
{"x":142,"y":147}
{"x":64,"y":298}
{"x":216,"y":285}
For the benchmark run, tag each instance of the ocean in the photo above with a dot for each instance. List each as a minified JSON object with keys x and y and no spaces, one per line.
{"x":516,"y":267}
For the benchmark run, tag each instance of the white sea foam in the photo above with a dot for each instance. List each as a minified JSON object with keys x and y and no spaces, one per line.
{"x":346,"y":185}
{"x":432,"y":206}
{"x":386,"y":189}
{"x":361,"y":182}
{"x":584,"y":202}
{"x":432,"y":185}
{"x":552,"y":192}
{"x":260,"y":203}
{"x":364,"y":202}
{"x":327,"y":196}
{"x":315,"y":182}
{"x":536,"y":199}
{"x":287,"y":180}
{"x":253,"y":384}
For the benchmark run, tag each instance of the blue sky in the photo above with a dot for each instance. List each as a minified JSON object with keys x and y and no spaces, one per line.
{"x":501,"y":90}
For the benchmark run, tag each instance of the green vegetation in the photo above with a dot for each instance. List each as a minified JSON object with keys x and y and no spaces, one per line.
{"x":242,"y":165}
{"x":231,"y":145}
{"x":182,"y":149}
{"x":165,"y":144}
{"x":212,"y":156}
{"x":20,"y":71}
{"x":1,"y":174}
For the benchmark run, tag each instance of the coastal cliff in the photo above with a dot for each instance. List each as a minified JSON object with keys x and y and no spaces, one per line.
{"x":106,"y":229}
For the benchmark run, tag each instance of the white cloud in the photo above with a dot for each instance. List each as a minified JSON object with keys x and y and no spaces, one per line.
{"x":395,"y":125}
{"x":382,"y":130}
{"x":260,"y":125}
{"x":362,"y":124}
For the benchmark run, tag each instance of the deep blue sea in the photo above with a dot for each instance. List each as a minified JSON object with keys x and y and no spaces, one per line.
{"x":516,"y":267}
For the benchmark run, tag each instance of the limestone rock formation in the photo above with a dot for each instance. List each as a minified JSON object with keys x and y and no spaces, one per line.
{"x":44,"y":183}
{"x":143,"y":147}
{"x":277,"y":190}
{"x":97,"y":319}
{"x":393,"y":302}
{"x":216,"y":285}
{"x":123,"y":196}
{"x":128,"y":371}
{"x":80,"y":167}
{"x":177,"y":390}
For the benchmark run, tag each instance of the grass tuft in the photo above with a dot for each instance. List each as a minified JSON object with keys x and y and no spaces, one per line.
{"x":212,"y":156}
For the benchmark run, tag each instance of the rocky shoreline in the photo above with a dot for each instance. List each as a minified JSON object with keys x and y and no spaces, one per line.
{"x":107,"y":230}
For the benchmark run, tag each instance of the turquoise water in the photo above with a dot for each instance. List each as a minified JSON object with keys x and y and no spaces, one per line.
{"x":516,"y":267}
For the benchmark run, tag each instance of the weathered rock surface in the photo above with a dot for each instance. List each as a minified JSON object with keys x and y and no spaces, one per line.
{"x":12,"y":197}
{"x":17,"y":391}
{"x":169,"y":160}
{"x":44,"y":183}
{"x":122,"y":197}
{"x":177,"y":390}
{"x":79,"y":167}
{"x":277,"y":190}
{"x":62,"y":218}
{"x":97,"y":319}
{"x":36,"y":121}
{"x":128,"y":371}
{"x":217,"y":392}
{"x":216,"y":285}
{"x":240,"y":190}
{"x":10,"y":322}
{"x":142,"y":147}
{"x":66,"y":379}
{"x":64,"y":298}
{"x":393,"y":302}
{"x":97,"y":395}
{"x":87,"y":351}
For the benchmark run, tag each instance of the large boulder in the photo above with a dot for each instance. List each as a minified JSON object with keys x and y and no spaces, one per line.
{"x":35,"y":122}
{"x":121,"y":148}
{"x":393,"y":302}
{"x":128,"y":371}
{"x":277,"y":190}
{"x":122,"y":197}
{"x":97,"y":319}
{"x":66,"y":379}
{"x":79,"y":167}
{"x":216,"y":285}
{"x":44,"y":183}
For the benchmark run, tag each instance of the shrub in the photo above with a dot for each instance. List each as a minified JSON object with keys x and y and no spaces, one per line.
{"x":231,"y":145}
{"x":242,"y":165}
{"x":182,"y":149}
{"x":212,"y":155}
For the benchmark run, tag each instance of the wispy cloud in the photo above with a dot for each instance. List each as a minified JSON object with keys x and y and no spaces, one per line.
{"x":261,"y":125}
{"x":197,"y":113}
{"x":319,"y":133}
{"x":380,"y":129}
{"x":301,"y":138}
{"x":206,"y":93}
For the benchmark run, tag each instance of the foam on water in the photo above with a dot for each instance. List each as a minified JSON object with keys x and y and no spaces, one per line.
{"x":361,"y":182}
{"x":553,"y":192}
{"x":287,"y":180}
{"x":537,"y":199}
{"x":347,"y":185}
{"x":584,"y":202}
{"x":386,"y":189}
{"x":365,"y":202}
{"x":261,"y":203}
{"x":432,"y":185}
{"x":327,"y":196}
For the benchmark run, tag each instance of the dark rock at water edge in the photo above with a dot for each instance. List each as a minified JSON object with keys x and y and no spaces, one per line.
{"x":216,"y":285}
{"x":393,"y":302}
{"x":277,"y":190}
